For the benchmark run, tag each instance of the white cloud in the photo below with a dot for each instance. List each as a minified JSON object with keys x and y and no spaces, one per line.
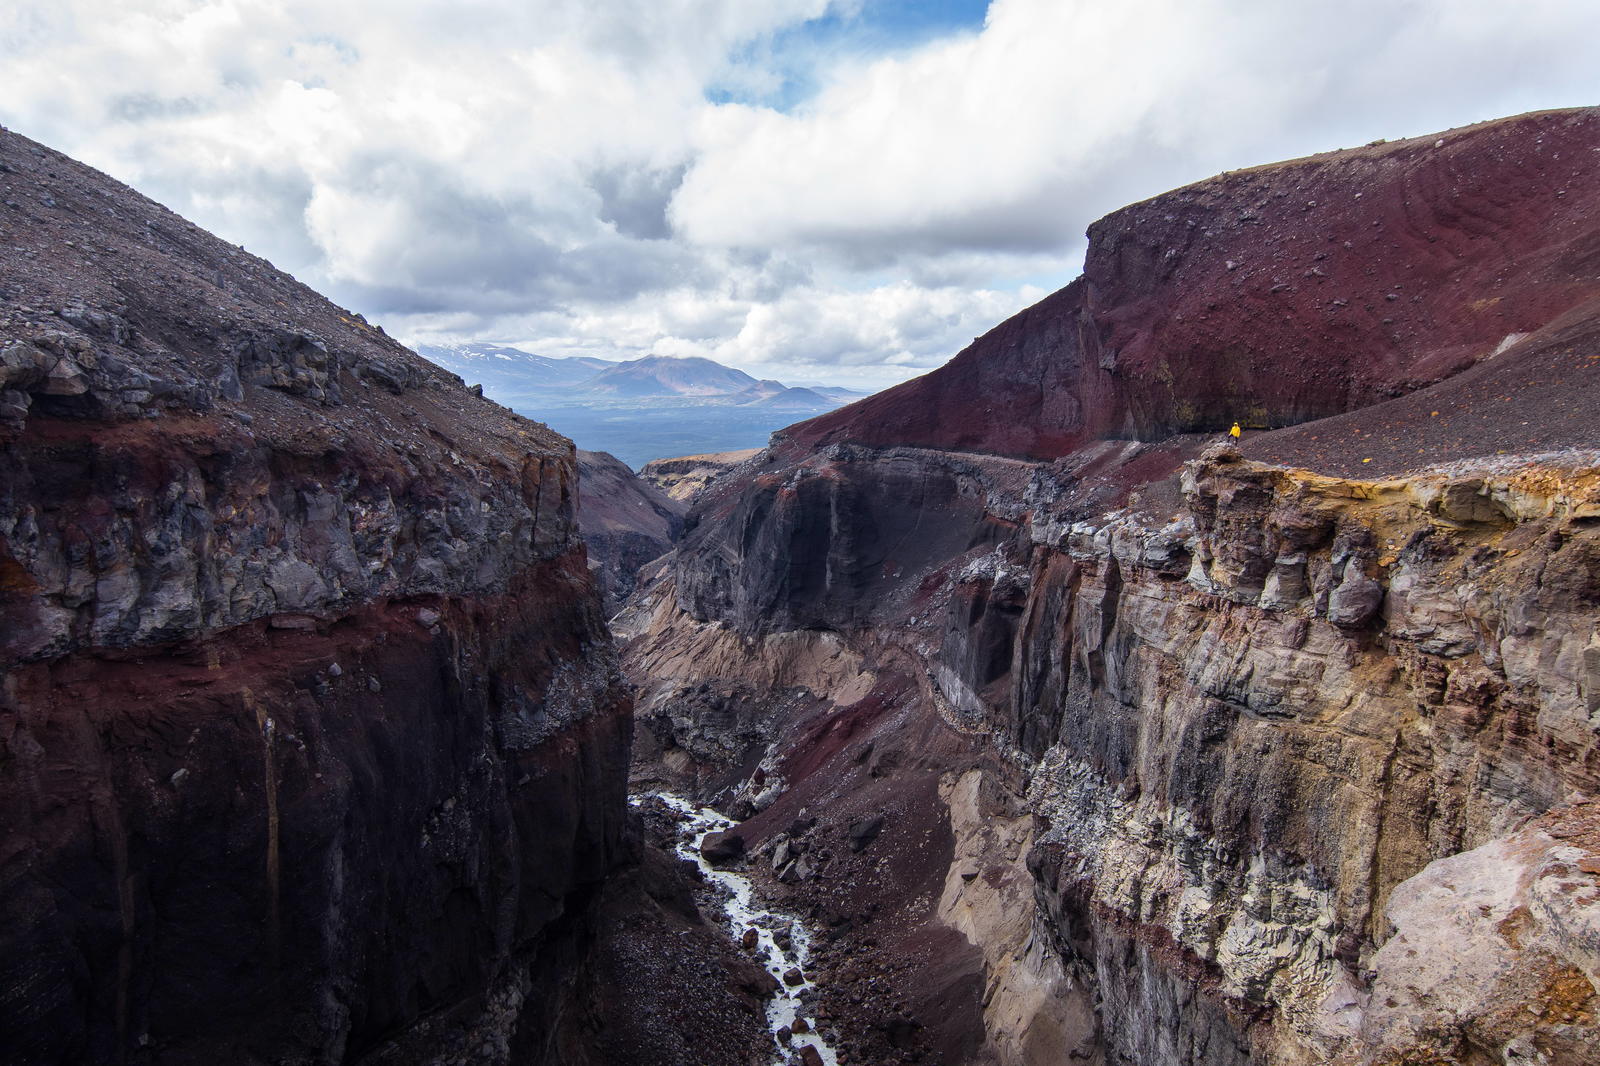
{"x":874,"y":336}
{"x":553,"y":174}
{"x":1061,"y":110}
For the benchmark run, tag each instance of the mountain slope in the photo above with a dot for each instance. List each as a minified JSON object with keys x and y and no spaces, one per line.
{"x":660,"y":375}
{"x":642,"y":409}
{"x":1274,"y":296}
{"x":626,"y":520}
{"x":310,"y":732}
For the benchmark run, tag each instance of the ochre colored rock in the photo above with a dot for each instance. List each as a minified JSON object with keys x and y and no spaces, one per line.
{"x":682,"y":477}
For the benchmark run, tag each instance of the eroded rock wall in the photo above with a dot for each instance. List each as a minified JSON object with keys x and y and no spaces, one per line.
{"x":1286,"y":739}
{"x":312,"y":747}
{"x":682,"y":477}
{"x":1267,"y":721}
{"x":1234,"y":732}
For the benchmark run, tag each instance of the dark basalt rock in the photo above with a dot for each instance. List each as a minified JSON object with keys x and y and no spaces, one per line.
{"x":864,"y":832}
{"x":309,"y":727}
{"x":722,"y":849}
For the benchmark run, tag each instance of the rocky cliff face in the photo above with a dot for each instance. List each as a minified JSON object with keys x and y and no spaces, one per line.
{"x":311,"y":746}
{"x":1252,"y":736}
{"x":1277,"y":753}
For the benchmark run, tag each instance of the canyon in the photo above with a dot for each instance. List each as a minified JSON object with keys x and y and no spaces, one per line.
{"x":1086,"y":732}
{"x":1070,"y":727}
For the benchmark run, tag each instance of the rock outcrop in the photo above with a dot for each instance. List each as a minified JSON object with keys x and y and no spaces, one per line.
{"x":1203,"y":752}
{"x":683,"y":477}
{"x":311,"y":743}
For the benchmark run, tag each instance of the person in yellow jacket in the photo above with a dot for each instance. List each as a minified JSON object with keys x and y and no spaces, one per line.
{"x":1235,"y":432}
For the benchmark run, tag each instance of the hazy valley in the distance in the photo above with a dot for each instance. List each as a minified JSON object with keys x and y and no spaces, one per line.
{"x":654,"y":407}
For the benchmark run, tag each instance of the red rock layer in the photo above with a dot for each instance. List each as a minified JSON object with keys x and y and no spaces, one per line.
{"x":1275,"y":296}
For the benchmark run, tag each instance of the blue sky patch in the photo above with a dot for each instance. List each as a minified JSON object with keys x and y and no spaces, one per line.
{"x":782,"y":71}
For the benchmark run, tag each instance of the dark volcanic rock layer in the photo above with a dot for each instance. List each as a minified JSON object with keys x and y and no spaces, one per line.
{"x":1277,"y":753}
{"x":311,"y":747}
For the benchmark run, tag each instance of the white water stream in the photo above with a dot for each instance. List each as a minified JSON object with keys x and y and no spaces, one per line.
{"x":744,"y":912}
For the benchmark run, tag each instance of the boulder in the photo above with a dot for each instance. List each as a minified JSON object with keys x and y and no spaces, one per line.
{"x":1355,"y":601}
{"x":864,"y":832}
{"x":720,"y":849}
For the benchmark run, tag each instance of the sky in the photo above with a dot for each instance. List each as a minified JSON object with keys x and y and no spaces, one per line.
{"x":838,"y":191}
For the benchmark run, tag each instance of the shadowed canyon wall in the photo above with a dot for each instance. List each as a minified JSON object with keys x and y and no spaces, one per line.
{"x":312,"y":747}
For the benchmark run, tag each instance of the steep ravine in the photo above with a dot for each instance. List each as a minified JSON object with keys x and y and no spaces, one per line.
{"x":1071,"y":731}
{"x":1084,"y":735}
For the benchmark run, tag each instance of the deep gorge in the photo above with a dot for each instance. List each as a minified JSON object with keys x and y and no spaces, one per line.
{"x":1074,"y":729}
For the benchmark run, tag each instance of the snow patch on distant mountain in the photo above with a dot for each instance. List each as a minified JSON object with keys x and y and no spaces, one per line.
{"x":520,"y":370}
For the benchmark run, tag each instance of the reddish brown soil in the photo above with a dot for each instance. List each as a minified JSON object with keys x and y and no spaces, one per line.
{"x":1275,"y":296}
{"x":1540,"y":396}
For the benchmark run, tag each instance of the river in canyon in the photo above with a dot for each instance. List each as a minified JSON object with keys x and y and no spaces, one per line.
{"x":783,"y":944}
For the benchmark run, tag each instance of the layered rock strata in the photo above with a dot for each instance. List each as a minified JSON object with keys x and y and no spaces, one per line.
{"x":311,"y":743}
{"x":1282,"y":753}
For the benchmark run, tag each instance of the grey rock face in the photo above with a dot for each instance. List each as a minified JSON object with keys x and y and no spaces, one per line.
{"x":299,"y":364}
{"x":1245,"y":722}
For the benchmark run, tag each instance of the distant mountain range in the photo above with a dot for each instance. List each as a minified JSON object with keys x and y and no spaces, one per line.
{"x":642,"y":409}
{"x":660,"y":375}
{"x":496,"y":366}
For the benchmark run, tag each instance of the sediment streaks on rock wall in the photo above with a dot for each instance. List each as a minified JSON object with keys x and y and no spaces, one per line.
{"x":1251,"y":783}
{"x":312,"y":747}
